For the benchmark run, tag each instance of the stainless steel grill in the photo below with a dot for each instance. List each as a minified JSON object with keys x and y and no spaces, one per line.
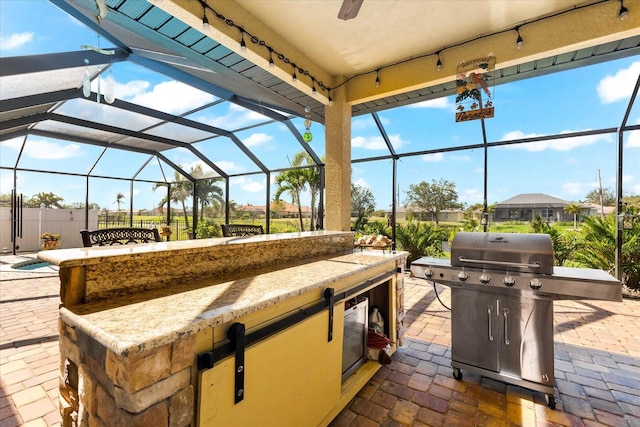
{"x":502,"y":292}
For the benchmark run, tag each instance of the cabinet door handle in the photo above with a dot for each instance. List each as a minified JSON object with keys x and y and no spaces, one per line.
{"x":489,"y":310}
{"x":505,"y":312}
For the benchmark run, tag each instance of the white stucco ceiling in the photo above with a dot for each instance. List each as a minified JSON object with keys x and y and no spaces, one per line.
{"x":387,"y":31}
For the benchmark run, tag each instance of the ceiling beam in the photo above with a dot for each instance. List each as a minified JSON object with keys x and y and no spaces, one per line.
{"x":14,"y":65}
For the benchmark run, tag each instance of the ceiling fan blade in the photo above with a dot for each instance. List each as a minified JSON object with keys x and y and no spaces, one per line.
{"x":349,"y":9}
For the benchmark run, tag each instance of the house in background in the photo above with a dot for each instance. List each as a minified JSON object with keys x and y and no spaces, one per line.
{"x":525,"y":207}
{"x":405,"y":212}
{"x":279,"y":209}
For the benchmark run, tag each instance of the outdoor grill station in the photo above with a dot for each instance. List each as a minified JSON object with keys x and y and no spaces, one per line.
{"x":502,"y":292}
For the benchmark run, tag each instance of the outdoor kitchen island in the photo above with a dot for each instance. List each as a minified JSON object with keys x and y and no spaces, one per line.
{"x":218,"y":332}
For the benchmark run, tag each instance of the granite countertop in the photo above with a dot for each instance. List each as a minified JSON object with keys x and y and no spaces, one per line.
{"x":93,"y":255}
{"x":142,"y":322}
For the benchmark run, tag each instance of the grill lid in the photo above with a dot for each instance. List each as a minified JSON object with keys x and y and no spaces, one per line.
{"x":531,"y":253}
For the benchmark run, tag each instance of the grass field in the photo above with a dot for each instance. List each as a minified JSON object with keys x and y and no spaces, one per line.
{"x":287,"y":225}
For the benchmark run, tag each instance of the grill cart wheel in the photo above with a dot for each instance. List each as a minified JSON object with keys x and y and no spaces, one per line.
{"x":551,"y":401}
{"x":457,"y":374}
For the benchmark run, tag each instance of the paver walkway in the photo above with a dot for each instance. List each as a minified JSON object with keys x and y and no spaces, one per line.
{"x":596,"y":350}
{"x":29,"y":354}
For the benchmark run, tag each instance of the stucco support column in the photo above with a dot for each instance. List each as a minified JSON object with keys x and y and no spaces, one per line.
{"x":338,"y":165}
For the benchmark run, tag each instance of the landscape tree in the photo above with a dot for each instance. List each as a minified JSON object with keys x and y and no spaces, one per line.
{"x":363,"y":203}
{"x":433,"y":197}
{"x":292,"y":181}
{"x":181,"y":190}
{"x":207,"y":190}
{"x":574,"y":209}
{"x":608,"y":196}
{"x":362,"y":200}
{"x":119,"y":200}
{"x":311,"y":175}
{"x":48,"y":200}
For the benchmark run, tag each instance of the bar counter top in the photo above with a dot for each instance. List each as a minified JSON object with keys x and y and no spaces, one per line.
{"x":144,"y":321}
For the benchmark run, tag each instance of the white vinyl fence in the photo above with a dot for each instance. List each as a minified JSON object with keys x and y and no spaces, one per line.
{"x":65,"y":222}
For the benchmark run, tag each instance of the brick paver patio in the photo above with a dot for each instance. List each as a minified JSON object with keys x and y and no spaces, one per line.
{"x":597,"y":360}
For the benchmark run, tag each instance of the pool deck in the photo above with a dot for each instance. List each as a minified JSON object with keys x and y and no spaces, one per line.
{"x":597,"y":360}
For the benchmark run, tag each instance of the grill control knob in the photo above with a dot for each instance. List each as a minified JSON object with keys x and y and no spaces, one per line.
{"x":428,"y":273}
{"x":535,"y":284}
{"x":509,"y":281}
{"x":485,"y":278}
{"x":462,"y":276}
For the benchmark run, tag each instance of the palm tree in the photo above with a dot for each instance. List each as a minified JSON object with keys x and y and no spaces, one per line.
{"x":295,"y":181}
{"x":181,"y":190}
{"x":312,"y":178}
{"x":598,"y":246}
{"x":574,"y":209}
{"x":47,"y":200}
{"x":208,"y":191}
{"x":292,"y":181}
{"x":119,"y":200}
{"x":420,"y":239}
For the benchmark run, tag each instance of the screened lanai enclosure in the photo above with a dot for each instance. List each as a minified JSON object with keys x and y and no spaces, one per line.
{"x":159,"y":93}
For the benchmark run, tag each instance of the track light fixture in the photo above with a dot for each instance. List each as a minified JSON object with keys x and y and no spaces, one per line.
{"x":313,"y":87}
{"x":330,"y":99}
{"x":273,"y":54}
{"x":272,"y":64}
{"x":624,"y":12}
{"x":243,"y":45}
{"x":519,"y":41}
{"x":205,"y":20}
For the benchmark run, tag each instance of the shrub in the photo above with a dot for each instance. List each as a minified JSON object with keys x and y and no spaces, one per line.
{"x":208,"y":228}
{"x":420,"y":239}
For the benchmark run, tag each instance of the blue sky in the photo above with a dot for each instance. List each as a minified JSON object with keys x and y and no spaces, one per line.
{"x":588,"y":98}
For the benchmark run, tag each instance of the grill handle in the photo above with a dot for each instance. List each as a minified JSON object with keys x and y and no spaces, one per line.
{"x":503,"y":263}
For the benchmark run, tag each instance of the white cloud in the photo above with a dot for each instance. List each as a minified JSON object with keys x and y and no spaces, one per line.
{"x":129,"y":90}
{"x":172,"y":96}
{"x":471,"y":195}
{"x":44,"y":149}
{"x":362,"y":183}
{"x":620,"y":86}
{"x":256,"y":139}
{"x":235,"y":118}
{"x":360,"y":124}
{"x":565,"y":144}
{"x":433,"y":103}
{"x":580,"y":188}
{"x":15,"y":40}
{"x":634,"y":137}
{"x":377,"y":142}
{"x":434,"y":157}
{"x":229,"y":166}
{"x":253,"y":187}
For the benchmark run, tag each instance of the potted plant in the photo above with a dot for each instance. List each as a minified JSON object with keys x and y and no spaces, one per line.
{"x":50,"y":240}
{"x":165,"y":230}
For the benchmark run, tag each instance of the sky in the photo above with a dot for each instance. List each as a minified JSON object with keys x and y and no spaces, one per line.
{"x":588,"y":98}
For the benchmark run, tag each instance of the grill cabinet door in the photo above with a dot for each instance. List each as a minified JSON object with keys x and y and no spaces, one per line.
{"x":526,"y":338}
{"x":474,"y":334}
